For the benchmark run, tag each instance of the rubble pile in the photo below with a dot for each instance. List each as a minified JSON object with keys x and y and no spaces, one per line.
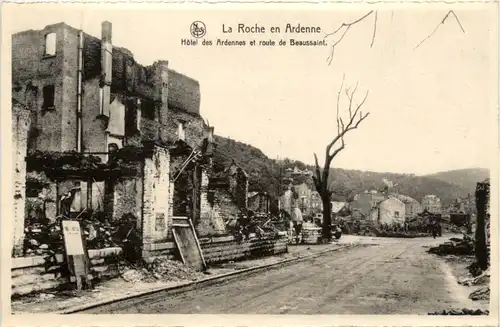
{"x":461,"y":312}
{"x":481,"y":294}
{"x":470,"y":280}
{"x":159,"y":270}
{"x":42,"y":237}
{"x":166,"y":269}
{"x":99,"y":233}
{"x":456,"y":246}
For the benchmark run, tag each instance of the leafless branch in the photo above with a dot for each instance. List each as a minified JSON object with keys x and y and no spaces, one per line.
{"x":451,"y":12}
{"x":374,"y":29}
{"x":355,"y":118}
{"x":347,"y":26}
{"x":339,"y":120}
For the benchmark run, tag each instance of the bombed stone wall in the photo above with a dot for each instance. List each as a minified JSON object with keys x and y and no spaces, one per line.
{"x":127,"y":198}
{"x":156,"y":221}
{"x":37,"y":82}
{"x":94,"y":126}
{"x":223,"y":204}
{"x":20,"y":127}
{"x":28,"y":55}
{"x":33,"y":71}
{"x":184,"y":92}
{"x":210,"y":222}
{"x":33,"y":274}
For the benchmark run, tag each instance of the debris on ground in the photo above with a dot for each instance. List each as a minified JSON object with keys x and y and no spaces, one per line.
{"x":460,"y":312}
{"x":481,"y":294}
{"x":456,"y":246}
{"x":160,"y":269}
{"x":470,"y":280}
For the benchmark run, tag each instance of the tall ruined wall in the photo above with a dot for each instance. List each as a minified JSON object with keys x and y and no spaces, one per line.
{"x":156,"y":85}
{"x":224,"y":205}
{"x":184,"y":92}
{"x":31,"y":72}
{"x":194,"y":126}
{"x":20,"y":127}
{"x":211,"y":223}
{"x":156,"y":221}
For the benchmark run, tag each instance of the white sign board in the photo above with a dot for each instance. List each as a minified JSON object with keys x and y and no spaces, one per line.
{"x":72,"y":237}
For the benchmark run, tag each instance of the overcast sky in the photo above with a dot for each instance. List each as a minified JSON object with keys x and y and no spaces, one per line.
{"x":431,"y":108}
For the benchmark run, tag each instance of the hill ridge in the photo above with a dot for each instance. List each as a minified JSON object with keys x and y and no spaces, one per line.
{"x":264,"y":174}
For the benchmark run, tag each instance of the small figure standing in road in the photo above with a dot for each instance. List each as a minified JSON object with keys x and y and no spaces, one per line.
{"x":337,"y":232}
{"x":297,"y":223}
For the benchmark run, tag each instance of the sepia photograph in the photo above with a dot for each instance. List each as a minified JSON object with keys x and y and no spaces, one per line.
{"x":253,"y":160}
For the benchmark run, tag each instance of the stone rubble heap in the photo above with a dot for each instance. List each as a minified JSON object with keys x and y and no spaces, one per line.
{"x":456,"y":246}
{"x":460,"y":312}
{"x":470,"y":280}
{"x":161,"y":269}
{"x":481,"y":294}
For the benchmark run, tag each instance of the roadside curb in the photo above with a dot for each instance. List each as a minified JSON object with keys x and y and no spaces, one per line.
{"x":189,"y":284}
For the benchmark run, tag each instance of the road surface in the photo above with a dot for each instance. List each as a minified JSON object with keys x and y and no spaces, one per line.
{"x":393,"y":277}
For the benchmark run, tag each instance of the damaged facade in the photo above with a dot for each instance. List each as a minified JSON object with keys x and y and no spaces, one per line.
{"x":130,"y":139}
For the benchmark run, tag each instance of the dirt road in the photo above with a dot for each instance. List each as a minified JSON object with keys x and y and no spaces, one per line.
{"x":393,"y":277}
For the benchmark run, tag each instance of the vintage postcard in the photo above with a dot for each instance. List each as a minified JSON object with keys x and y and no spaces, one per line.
{"x":250,"y":164}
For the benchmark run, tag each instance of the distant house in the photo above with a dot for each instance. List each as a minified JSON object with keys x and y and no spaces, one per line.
{"x":364,"y":203}
{"x":390,"y":211}
{"x":316,"y":202}
{"x":431,"y":203}
{"x":412,"y":206}
{"x":338,"y":207}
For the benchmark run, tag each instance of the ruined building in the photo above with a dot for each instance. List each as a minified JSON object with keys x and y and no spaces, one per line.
{"x":129,"y":138}
{"x":432,"y":203}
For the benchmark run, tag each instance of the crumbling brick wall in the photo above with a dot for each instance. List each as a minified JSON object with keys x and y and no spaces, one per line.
{"x":56,"y":128}
{"x":20,"y":127}
{"x":156,"y":179}
{"x":31,"y":72}
{"x":184,"y":92}
{"x":127,"y":198}
{"x":211,"y":223}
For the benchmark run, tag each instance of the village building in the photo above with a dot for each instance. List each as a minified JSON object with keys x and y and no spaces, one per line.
{"x":389,"y":211}
{"x":432,"y":203}
{"x":364,"y":203}
{"x":412,"y":206}
{"x":339,"y":208}
{"x":316,"y":202}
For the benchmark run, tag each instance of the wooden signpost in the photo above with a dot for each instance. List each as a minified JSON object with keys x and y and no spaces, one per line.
{"x":76,"y":254}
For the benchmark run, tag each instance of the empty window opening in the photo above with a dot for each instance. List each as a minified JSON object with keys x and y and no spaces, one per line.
{"x":50,"y":44}
{"x":48,"y":96}
{"x":148,"y":109}
{"x":101,"y":101}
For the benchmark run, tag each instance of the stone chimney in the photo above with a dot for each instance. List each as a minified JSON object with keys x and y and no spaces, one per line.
{"x":162,"y":94}
{"x":106,"y":66}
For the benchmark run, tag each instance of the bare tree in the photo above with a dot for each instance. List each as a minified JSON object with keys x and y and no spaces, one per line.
{"x":336,"y":145}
